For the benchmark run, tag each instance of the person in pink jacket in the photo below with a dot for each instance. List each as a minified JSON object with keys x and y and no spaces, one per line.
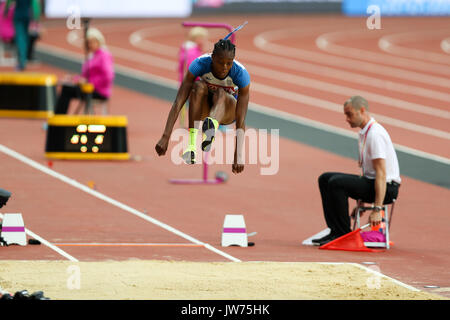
{"x":98,"y":70}
{"x":191,"y":49}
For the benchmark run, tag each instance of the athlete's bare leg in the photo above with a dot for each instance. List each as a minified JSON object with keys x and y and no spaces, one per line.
{"x":224,"y":107}
{"x":198,"y":103}
{"x":222,"y":111}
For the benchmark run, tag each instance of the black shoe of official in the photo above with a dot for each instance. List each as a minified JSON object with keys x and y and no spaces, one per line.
{"x":326,"y":240}
{"x":319,"y":240}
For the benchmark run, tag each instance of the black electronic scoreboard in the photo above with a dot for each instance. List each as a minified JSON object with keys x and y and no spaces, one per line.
{"x":27,"y":95}
{"x":87,"y":137}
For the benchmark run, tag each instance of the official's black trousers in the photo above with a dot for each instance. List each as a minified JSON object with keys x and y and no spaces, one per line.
{"x":336,"y":188}
{"x":69,"y":92}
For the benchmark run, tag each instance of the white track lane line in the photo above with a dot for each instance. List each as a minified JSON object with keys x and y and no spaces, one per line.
{"x":73,"y":38}
{"x":319,"y":85}
{"x":139,"y":40}
{"x":286,"y":115}
{"x":125,"y":244}
{"x":47,"y":243}
{"x":358,"y":78}
{"x":327,"y":105}
{"x":445,"y":45}
{"x":262,"y":41}
{"x":336,"y":130}
{"x":79,"y":58}
{"x":327,"y":42}
{"x":379,"y":274}
{"x":347,"y":91}
{"x":73,"y":183}
{"x":390,"y":44}
{"x":137,"y":37}
{"x":255,"y":107}
{"x":354,"y":264}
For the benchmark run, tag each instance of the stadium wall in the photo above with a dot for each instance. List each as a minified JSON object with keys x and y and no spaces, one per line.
{"x":272,"y":7}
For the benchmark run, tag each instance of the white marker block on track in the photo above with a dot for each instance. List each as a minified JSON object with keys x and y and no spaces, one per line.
{"x":13,"y":229}
{"x":234,"y":231}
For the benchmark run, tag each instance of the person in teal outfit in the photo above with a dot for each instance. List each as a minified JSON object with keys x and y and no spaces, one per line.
{"x":25,"y":10}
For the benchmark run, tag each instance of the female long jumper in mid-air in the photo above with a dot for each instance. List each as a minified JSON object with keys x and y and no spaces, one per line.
{"x":218,"y":89}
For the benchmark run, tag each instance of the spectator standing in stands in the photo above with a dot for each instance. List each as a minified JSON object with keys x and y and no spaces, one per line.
{"x":25,"y":10}
{"x":34,"y":34}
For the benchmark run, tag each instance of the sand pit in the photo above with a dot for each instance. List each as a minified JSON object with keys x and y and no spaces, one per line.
{"x":175,"y":280}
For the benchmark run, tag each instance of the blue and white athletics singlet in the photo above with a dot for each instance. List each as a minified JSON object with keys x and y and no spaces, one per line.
{"x":238,"y":76}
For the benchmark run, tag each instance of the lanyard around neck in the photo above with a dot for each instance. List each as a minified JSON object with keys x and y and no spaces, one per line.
{"x":361,"y":151}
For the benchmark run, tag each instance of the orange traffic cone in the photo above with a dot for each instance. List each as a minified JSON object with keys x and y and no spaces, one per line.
{"x":351,"y":241}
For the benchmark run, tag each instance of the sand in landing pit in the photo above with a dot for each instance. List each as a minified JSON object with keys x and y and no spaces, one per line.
{"x":168,"y":280}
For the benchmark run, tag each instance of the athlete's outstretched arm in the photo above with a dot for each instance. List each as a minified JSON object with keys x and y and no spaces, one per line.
{"x":241,"y":112}
{"x":182,"y":95}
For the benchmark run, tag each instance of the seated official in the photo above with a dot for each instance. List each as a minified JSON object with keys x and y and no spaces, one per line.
{"x":380,"y":179}
{"x":97,"y":70}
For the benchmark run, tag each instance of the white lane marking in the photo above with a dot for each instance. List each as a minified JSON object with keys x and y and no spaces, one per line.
{"x":322,"y":58}
{"x":139,"y":40}
{"x":319,"y":85}
{"x":327,"y":42}
{"x":79,"y":58}
{"x":118,"y":204}
{"x":125,"y":244}
{"x":445,"y":45}
{"x":138,"y":37}
{"x":347,"y":91}
{"x":336,"y":130}
{"x":347,"y":76}
{"x":289,"y":116}
{"x":47,"y":243}
{"x":354,"y":264}
{"x":379,"y":274}
{"x":257,"y":108}
{"x":390,"y":43}
{"x":327,"y":105}
{"x":103,"y":25}
{"x":73,"y":38}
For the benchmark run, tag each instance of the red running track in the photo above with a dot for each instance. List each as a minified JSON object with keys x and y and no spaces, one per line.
{"x":284,"y":208}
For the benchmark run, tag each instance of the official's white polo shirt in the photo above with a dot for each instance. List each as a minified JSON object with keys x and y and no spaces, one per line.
{"x":378,"y":145}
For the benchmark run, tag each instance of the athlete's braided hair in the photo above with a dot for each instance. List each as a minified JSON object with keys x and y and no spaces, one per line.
{"x":224,"y":45}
